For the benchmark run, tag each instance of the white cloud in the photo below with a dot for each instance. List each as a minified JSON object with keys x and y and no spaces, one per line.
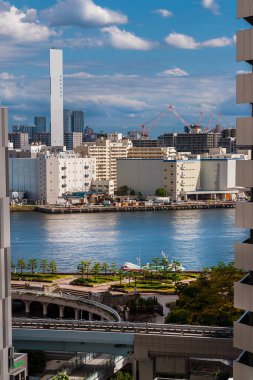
{"x":6,"y":76}
{"x":80,"y":75}
{"x":217,"y":42}
{"x":184,"y":41}
{"x":181,"y":41}
{"x":84,"y":13}
{"x":212,"y":5}
{"x":121,"y":39}
{"x":175,"y":72}
{"x":163,"y":12}
{"x":19,"y":26}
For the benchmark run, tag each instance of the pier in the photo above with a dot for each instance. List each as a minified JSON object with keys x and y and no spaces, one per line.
{"x":163,"y":207}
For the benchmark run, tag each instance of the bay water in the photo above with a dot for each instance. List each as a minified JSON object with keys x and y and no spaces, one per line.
{"x":196,"y":238}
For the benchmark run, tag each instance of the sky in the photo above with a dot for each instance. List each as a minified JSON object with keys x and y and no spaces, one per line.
{"x":125,"y":61}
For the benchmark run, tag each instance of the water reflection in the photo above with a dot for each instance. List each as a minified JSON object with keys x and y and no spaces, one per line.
{"x":197,"y":238}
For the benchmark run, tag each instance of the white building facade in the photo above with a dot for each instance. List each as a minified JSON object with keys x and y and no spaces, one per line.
{"x":48,"y":177}
{"x":56,"y":97}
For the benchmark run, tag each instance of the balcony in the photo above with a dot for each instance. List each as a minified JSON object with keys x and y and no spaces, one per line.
{"x":244,"y":51}
{"x":244,"y":88}
{"x":243,"y":334}
{"x":244,"y":173}
{"x":244,"y":256}
{"x":63,"y":168}
{"x":243,"y":294}
{"x":63,"y":176}
{"x":245,"y":10}
{"x":244,"y":131}
{"x":244,"y":215}
{"x":64,"y":185}
{"x":242,"y":369}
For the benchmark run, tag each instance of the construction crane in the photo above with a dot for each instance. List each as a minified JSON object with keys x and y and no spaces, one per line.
{"x":169,"y":109}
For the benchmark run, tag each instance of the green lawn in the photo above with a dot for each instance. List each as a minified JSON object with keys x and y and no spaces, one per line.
{"x":39,"y":277}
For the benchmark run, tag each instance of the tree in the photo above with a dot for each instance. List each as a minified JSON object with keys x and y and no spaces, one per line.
{"x":122,"y":376}
{"x":161,"y":192}
{"x":113,"y":268}
{"x":156,"y":262}
{"x":121,"y":275}
{"x":96,"y":268}
{"x":43,"y":265}
{"x":52,"y":267}
{"x":61,"y":376}
{"x":82,"y":267}
{"x":105,"y":267}
{"x":21,"y":265}
{"x":32,"y":265}
{"x":209,"y":299}
{"x":123,"y":190}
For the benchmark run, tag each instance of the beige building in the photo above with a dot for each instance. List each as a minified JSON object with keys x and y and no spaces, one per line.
{"x":194,"y":178}
{"x":243,"y":329}
{"x":106,"y":153}
{"x":103,"y":186}
{"x":151,"y":152}
{"x":181,"y":176}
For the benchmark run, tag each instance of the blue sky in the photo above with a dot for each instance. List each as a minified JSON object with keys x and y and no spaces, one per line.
{"x":124,"y":60}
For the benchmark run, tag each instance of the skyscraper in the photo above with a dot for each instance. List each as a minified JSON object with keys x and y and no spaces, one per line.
{"x":56,"y":101}
{"x":5,"y":267}
{"x":243,"y":329}
{"x":41,"y":124}
{"x":67,"y":121}
{"x":77,"y":121}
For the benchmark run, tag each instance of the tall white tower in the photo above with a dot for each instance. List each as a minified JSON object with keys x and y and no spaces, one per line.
{"x":56,"y":101}
{"x":5,"y":266}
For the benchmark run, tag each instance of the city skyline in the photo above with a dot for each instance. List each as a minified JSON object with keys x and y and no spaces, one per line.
{"x":122,"y":63}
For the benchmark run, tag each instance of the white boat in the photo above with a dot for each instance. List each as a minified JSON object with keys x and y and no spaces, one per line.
{"x":137,"y":268}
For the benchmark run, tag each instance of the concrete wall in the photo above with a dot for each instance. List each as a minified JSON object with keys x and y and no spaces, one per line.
{"x":141,"y":175}
{"x":5,"y":259}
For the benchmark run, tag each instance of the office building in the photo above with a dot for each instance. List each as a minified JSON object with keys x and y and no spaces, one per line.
{"x":196,"y":143}
{"x":243,"y":329}
{"x":43,"y":138}
{"x":56,"y":97}
{"x":67,"y":121}
{"x":5,"y":267}
{"x":77,"y":121}
{"x":18,"y":139}
{"x":40,"y":123}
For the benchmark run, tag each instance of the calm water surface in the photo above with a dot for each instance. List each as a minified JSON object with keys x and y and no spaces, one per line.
{"x":197,"y":238}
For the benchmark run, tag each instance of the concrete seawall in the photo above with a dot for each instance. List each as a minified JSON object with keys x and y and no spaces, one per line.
{"x":100,"y":209}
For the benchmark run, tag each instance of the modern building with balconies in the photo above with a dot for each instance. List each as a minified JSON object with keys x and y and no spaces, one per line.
{"x":243,"y":329}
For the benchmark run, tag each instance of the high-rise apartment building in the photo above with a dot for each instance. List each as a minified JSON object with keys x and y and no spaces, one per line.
{"x":106,"y":154}
{"x":243,"y":329}
{"x":56,"y":97}
{"x":5,"y":267}
{"x":40,"y":123}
